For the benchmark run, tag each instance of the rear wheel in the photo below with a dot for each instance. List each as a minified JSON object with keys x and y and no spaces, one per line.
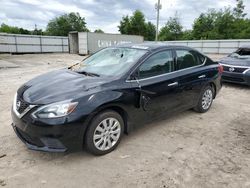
{"x":205,"y":100}
{"x":104,"y":133}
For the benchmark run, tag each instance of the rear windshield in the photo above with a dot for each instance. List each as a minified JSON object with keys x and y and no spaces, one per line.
{"x":241,"y":53}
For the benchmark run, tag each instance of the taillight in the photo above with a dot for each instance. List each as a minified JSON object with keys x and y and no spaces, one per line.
{"x":220,"y":68}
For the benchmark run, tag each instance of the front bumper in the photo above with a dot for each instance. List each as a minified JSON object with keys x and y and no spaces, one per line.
{"x":45,"y":137}
{"x":238,"y":78}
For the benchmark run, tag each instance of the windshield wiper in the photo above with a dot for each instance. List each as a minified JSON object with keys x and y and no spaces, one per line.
{"x":88,"y":73}
{"x":70,"y":67}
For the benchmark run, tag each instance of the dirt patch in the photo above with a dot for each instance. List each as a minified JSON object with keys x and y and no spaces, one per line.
{"x":184,"y":150}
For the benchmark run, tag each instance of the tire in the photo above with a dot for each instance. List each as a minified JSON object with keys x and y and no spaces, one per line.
{"x":104,"y":132}
{"x":205,"y":100}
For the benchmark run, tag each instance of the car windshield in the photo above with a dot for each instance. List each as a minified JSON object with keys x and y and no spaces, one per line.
{"x":111,"y":61}
{"x":242,"y":53}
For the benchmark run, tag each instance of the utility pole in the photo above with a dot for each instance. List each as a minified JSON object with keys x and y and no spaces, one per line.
{"x":35,"y":30}
{"x":157,"y":7}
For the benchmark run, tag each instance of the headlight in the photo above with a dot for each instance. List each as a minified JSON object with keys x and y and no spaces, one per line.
{"x":55,"y":110}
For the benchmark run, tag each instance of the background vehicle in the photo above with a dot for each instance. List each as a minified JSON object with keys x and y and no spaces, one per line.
{"x":112,"y":92}
{"x":237,"y":66}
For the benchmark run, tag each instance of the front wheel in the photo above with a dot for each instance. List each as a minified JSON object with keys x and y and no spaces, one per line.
{"x":205,"y":100}
{"x":104,"y":133}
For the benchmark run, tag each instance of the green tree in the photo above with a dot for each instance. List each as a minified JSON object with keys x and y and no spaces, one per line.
{"x":243,"y":29}
{"x":62,"y":25}
{"x":187,"y":35}
{"x":239,"y":9}
{"x":9,"y":29}
{"x":125,"y":27}
{"x":224,"y":25}
{"x":172,"y":30}
{"x":24,"y":31}
{"x":137,"y":25}
{"x":37,"y":32}
{"x":16,"y":30}
{"x":151,"y":30}
{"x":221,"y":24}
{"x":204,"y":25}
{"x":241,"y":24}
{"x":99,"y":31}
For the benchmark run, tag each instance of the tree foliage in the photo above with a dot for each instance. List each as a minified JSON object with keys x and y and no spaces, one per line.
{"x":124,"y":26}
{"x":15,"y":30}
{"x":19,"y":30}
{"x":151,"y":31}
{"x":137,"y":25}
{"x":227,"y":23}
{"x":223,"y":24}
{"x":37,"y":32}
{"x":239,"y":9}
{"x":99,"y":31}
{"x":62,"y":25}
{"x":172,"y":30}
{"x":187,"y":35}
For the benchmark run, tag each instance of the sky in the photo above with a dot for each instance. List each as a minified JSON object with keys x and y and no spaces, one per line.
{"x":104,"y":14}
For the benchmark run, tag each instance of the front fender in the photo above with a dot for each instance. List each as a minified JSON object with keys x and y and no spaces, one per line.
{"x":114,"y":100}
{"x":89,"y":104}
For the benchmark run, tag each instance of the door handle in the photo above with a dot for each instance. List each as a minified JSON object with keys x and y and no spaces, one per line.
{"x":202,"y":76}
{"x":173,"y":84}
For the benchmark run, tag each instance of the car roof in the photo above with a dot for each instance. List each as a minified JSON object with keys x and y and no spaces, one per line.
{"x":151,"y":46}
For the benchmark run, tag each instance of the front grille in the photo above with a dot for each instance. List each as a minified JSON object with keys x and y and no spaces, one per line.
{"x":29,"y":139}
{"x":21,"y":105}
{"x":234,"y":69}
{"x":52,"y":143}
{"x":233,"y":79}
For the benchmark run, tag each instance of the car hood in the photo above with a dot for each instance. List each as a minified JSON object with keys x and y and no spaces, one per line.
{"x":60,"y":85}
{"x":235,"y":61}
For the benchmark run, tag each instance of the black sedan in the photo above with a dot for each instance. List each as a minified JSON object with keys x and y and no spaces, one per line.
{"x":237,"y":66}
{"x":95,"y":102}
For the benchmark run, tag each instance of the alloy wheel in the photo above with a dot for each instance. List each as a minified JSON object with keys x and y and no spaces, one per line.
{"x":207,"y":99}
{"x":106,"y":134}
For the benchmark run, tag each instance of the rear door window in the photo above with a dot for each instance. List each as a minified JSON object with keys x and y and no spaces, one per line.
{"x":188,"y":58}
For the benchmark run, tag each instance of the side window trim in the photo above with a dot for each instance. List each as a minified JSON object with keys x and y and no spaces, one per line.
{"x":173,"y":66}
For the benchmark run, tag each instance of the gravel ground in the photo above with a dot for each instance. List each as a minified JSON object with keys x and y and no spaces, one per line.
{"x":185,"y":150}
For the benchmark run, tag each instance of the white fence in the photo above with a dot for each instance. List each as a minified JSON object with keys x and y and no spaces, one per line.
{"x":15,"y":43}
{"x":213,"y":46}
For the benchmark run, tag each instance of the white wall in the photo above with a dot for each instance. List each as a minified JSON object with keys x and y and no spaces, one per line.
{"x":15,"y":43}
{"x":213,"y":46}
